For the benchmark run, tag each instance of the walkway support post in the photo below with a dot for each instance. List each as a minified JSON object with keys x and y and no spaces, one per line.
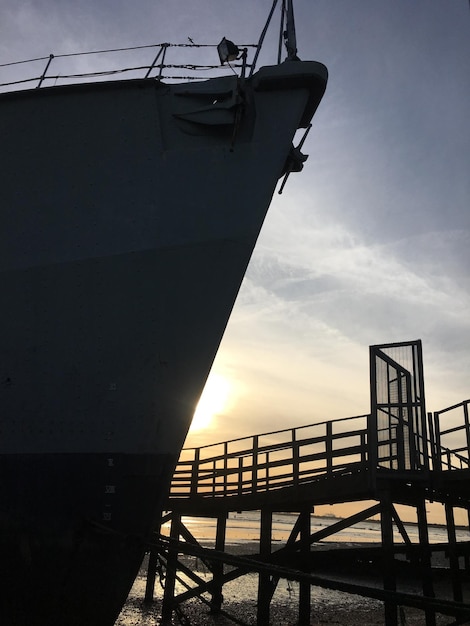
{"x":152,"y":570}
{"x":425,"y":557}
{"x":467,"y":556}
{"x":218,"y":566}
{"x":171,"y":564}
{"x":264,"y":580}
{"x":388,"y":558}
{"x":304,"y":586}
{"x":151,"y":575}
{"x":453,"y":557}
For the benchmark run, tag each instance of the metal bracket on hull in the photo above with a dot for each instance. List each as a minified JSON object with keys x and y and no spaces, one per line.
{"x":295,"y":160}
{"x":223,"y":107}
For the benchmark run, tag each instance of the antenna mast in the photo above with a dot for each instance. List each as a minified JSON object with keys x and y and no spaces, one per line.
{"x":289,"y":33}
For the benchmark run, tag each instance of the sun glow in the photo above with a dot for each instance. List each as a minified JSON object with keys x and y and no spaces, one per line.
{"x":213,"y":401}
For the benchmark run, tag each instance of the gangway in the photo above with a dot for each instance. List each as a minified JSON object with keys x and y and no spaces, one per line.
{"x":396,"y":455}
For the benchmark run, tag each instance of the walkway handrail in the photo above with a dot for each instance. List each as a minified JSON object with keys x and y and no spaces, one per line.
{"x":296,"y":456}
{"x":455,"y":454}
{"x":281,"y":431}
{"x":258,"y":465}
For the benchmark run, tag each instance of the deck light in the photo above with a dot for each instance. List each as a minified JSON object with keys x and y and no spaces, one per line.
{"x":228,"y":51}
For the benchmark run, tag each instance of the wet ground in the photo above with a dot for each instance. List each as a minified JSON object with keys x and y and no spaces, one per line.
{"x":328,"y":607}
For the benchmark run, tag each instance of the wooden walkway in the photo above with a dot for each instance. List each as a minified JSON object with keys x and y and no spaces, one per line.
{"x":397,"y":455}
{"x":285,"y":469}
{"x":325,"y":463}
{"x":331,"y":462}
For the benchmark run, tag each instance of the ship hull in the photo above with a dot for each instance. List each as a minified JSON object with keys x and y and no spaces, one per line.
{"x":130,"y":211}
{"x":60,"y":565}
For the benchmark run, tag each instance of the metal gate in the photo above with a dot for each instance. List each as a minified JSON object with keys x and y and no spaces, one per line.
{"x":397,"y":427}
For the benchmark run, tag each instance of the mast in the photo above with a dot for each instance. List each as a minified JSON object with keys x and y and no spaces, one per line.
{"x":289,"y":33}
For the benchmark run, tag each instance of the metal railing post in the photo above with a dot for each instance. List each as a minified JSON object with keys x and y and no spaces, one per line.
{"x":437,"y":434}
{"x":254,"y":472}
{"x":225,"y":467}
{"x":267,"y":471}
{"x":214,"y":477}
{"x":154,"y":61}
{"x":467,"y":425}
{"x":51,"y":56}
{"x":295,"y":458}
{"x":240,"y":475}
{"x":162,"y":64}
{"x":329,"y":447}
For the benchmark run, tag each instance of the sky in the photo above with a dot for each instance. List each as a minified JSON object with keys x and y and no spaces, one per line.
{"x":370,"y":244}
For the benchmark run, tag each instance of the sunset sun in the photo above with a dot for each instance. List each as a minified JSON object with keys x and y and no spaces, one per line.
{"x":213,"y":401}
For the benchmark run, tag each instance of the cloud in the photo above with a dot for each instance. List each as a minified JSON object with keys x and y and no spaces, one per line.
{"x":315,"y":298}
{"x":370,"y":243}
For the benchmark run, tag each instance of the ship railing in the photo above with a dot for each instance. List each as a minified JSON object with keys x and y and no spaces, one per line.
{"x":272,"y":461}
{"x":161,"y":61}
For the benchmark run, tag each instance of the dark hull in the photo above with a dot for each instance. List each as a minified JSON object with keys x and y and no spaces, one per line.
{"x":130,"y":211}
{"x":62,"y":566}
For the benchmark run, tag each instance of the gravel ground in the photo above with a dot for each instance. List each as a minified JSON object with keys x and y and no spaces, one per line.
{"x":355,"y":611}
{"x":328,"y":607}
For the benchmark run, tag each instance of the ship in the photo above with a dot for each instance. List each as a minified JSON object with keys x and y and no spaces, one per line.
{"x":130,"y":210}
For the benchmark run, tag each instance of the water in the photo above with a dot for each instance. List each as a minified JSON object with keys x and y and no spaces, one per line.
{"x":243,"y":529}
